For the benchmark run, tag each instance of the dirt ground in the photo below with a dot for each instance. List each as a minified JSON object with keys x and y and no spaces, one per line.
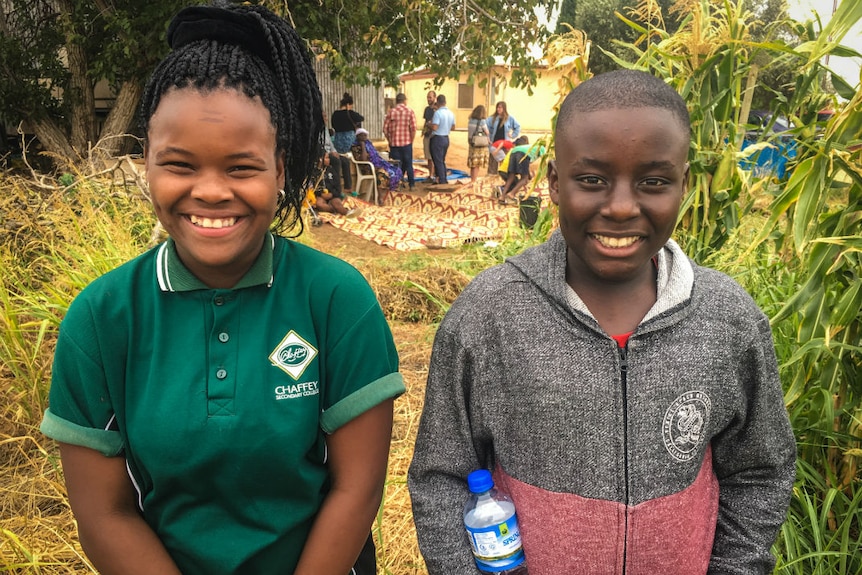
{"x":353,"y":248}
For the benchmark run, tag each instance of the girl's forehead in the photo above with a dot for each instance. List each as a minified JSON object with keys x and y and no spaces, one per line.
{"x":219,"y":101}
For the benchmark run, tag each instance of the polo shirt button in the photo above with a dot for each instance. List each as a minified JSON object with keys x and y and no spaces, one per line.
{"x":221,"y":374}
{"x":219,"y":301}
{"x":223,"y":337}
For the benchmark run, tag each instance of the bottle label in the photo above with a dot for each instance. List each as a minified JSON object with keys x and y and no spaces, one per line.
{"x":497,"y":547}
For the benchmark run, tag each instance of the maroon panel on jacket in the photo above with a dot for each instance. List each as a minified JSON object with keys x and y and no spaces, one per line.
{"x":566,"y":533}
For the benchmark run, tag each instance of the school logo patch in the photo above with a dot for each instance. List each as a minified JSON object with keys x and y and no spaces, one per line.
{"x":684,"y":423}
{"x":293,"y":355}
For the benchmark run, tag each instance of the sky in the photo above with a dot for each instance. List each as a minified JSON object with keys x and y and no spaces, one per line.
{"x":848,"y":68}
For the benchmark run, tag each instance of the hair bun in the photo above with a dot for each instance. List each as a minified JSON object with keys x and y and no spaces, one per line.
{"x":219,"y":24}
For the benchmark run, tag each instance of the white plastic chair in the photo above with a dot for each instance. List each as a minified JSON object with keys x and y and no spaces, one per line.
{"x":359,"y":179}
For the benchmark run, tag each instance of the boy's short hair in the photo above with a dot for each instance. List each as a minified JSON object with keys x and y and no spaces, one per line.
{"x":624,"y":89}
{"x":523,"y":140}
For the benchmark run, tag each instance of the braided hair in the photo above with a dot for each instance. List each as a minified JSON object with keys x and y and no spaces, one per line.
{"x":250,"y":49}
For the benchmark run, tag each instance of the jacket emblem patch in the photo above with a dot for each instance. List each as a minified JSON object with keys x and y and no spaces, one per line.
{"x":684,"y":424}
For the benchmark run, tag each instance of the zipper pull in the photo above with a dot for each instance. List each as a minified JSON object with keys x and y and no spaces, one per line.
{"x":624,"y":364}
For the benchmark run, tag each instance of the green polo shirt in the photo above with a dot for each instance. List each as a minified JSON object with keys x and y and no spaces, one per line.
{"x":220,"y":399}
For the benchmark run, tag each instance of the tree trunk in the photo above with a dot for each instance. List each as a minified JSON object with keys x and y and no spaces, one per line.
{"x":83,"y":102}
{"x":4,"y":140}
{"x":54,"y":140}
{"x":120,"y":118}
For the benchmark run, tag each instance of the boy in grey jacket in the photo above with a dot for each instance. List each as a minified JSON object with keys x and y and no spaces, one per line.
{"x":626,"y":398}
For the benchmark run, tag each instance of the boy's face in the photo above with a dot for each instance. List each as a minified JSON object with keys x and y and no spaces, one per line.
{"x":618,"y":179}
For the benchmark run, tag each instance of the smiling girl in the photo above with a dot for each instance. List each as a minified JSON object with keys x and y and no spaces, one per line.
{"x":223,"y":402}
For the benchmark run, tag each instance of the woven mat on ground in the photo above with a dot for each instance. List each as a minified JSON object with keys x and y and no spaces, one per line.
{"x":439,"y":219}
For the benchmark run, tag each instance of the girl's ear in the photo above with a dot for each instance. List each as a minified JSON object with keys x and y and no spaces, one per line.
{"x":279,"y":169}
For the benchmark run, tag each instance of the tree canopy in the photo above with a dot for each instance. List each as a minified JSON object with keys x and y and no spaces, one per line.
{"x":53,"y":52}
{"x":373,"y":42}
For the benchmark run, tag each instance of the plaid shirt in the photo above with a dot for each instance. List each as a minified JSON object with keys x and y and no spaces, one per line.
{"x":399,"y":127}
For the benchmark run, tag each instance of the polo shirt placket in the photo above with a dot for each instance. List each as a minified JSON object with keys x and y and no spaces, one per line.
{"x":222,"y":354}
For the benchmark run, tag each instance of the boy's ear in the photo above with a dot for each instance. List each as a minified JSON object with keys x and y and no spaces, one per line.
{"x":553,"y":182}
{"x":685,"y":176}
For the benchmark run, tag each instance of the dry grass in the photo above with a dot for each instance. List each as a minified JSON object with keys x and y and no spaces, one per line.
{"x":37,"y":529}
{"x":398,"y":552}
{"x":417,"y":296}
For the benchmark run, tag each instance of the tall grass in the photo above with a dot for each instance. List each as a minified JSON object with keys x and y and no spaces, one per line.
{"x":65,"y":240}
{"x":823,"y":530}
{"x":53,"y":242}
{"x":822,"y":533}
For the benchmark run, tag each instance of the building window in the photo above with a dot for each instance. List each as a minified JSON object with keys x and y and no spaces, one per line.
{"x":465,"y":96}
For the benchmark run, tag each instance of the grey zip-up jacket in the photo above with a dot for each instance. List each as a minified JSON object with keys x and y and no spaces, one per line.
{"x":673,"y":455}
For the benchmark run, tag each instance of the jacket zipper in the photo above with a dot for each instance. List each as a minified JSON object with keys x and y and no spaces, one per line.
{"x":624,"y":367}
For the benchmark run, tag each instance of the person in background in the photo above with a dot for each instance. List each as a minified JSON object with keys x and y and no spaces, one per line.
{"x":499,"y":149}
{"x":626,"y":398}
{"x":388,"y":175}
{"x":477,"y":155}
{"x":399,"y":127}
{"x":345,"y":121}
{"x":211,"y":419}
{"x":338,"y":163}
{"x":442,"y":124}
{"x":427,"y":116}
{"x":515,"y":169}
{"x":501,"y":126}
{"x":328,"y":195}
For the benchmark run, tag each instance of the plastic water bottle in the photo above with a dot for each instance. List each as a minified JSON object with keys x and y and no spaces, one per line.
{"x":492,"y":527}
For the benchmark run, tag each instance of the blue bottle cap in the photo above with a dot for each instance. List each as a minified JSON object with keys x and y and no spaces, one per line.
{"x":480,"y":481}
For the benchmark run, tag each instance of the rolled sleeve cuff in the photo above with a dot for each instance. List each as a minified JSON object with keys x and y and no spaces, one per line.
{"x":362,"y":400}
{"x":105,"y":441}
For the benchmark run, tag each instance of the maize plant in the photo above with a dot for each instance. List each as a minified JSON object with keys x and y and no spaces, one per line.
{"x":814,"y":220}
